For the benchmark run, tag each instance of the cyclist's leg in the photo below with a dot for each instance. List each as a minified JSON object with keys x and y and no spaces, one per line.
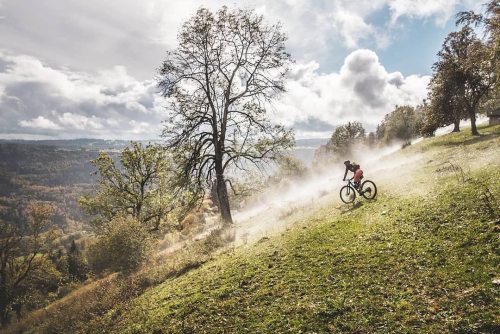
{"x":357,"y":177}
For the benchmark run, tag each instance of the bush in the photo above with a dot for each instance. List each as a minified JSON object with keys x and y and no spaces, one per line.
{"x":406,"y":144}
{"x":123,"y":245}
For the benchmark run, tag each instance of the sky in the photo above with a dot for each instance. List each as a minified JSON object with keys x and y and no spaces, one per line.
{"x":86,"y":68}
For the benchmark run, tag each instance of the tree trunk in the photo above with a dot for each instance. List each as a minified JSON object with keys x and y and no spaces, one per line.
{"x":4,"y":308}
{"x":456,"y":126}
{"x":473,"y":128}
{"x":17,"y":307}
{"x":4,"y":317}
{"x":4,"y":303}
{"x":223,"y":198}
{"x":214,"y":195}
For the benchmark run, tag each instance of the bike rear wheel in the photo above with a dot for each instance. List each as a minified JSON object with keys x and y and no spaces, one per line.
{"x":368,"y":189}
{"x":347,"y":194}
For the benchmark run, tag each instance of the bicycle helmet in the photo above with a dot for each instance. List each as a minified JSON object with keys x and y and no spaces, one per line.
{"x":347,"y":162}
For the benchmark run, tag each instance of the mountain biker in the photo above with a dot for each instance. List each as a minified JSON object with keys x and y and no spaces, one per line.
{"x":356,"y":169}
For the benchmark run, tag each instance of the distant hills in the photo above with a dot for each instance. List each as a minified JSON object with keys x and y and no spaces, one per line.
{"x":78,"y":144}
{"x":310,"y":142}
{"x":117,"y":143}
{"x":304,"y":148}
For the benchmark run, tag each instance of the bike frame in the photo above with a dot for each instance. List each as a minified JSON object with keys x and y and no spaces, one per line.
{"x":351,"y":186}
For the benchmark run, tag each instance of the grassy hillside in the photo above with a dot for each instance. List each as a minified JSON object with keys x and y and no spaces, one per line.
{"x":422,"y":258}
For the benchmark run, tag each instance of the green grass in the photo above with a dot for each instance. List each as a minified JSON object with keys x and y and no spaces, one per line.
{"x":422,"y":263}
{"x":464,"y":137}
{"x":391,"y":266}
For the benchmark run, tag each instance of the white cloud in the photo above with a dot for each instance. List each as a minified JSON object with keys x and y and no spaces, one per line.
{"x":100,"y":105}
{"x":351,"y":26}
{"x":316,"y":29}
{"x":361,"y":91}
{"x":441,"y":10}
{"x":40,"y":122}
{"x":96,"y":97}
{"x":80,"y":122}
{"x":137,"y":33}
{"x":143,"y":128}
{"x":112,"y":104}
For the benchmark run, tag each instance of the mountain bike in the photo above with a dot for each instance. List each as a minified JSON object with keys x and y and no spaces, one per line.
{"x":368,"y":190}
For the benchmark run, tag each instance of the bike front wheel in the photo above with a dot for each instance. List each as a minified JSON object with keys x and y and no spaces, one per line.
{"x":368,"y":189}
{"x":347,"y":194}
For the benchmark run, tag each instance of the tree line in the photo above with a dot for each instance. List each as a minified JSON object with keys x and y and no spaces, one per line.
{"x":400,"y":126}
{"x":465,"y":76}
{"x":464,"y":84}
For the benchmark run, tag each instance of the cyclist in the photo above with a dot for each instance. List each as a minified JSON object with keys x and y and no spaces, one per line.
{"x":356,"y":169}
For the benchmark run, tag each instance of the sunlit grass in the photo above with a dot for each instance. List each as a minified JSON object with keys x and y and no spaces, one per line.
{"x":391,"y":266}
{"x":421,"y":263}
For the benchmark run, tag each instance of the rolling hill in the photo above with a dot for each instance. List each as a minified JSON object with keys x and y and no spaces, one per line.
{"x":422,"y":258}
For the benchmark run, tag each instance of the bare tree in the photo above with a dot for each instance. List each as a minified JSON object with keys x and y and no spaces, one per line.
{"x":228,"y":67}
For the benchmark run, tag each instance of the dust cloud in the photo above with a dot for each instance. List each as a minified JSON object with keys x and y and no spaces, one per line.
{"x":283,"y":205}
{"x":390,"y":167}
{"x":269,"y":212}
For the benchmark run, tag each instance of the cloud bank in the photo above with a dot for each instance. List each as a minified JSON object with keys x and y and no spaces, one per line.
{"x":361,"y":91}
{"x":40,"y":100}
{"x":92,"y":34}
{"x":36,"y":99}
{"x":84,"y":68}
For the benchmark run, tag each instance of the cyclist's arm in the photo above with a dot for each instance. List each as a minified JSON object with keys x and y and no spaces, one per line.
{"x":345,"y":174}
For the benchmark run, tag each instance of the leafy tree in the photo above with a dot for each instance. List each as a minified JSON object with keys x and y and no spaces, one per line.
{"x":39,"y":288}
{"x":340,"y":145}
{"x":290,"y":167}
{"x":463,"y":76}
{"x":403,"y":123}
{"x":430,"y":122}
{"x":77,"y":269}
{"x":490,"y":22}
{"x":446,"y":103}
{"x":344,"y":137}
{"x":380,"y":131}
{"x":228,"y":67}
{"x":22,"y":252}
{"x":140,"y":186}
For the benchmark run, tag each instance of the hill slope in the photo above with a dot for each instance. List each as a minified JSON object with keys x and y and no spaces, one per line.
{"x":422,"y":258}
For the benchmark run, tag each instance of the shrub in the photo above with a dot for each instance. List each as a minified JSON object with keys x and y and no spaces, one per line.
{"x":406,"y":143}
{"x":122,"y":245}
